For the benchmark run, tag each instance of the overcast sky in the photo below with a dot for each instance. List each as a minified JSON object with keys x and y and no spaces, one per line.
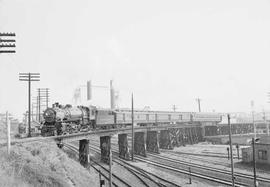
{"x":165,"y":52}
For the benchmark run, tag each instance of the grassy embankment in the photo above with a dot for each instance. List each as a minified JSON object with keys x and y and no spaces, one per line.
{"x":42,"y":164}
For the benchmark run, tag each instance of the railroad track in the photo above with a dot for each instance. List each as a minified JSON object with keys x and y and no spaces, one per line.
{"x":171,"y":167}
{"x":146,"y":178}
{"x":228,"y":172}
{"x":196,"y":158}
{"x":159,"y":181}
{"x":239,"y":176}
{"x":103,"y":171}
{"x":205,"y":155}
{"x":265,"y":181}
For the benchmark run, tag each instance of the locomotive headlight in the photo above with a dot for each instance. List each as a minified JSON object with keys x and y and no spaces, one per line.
{"x":49,"y":115}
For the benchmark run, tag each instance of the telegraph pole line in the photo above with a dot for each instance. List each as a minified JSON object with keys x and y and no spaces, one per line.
{"x":32,"y":112}
{"x":266,"y":121}
{"x":266,"y":124}
{"x":47,"y":97}
{"x":254,"y":161}
{"x":110,"y":166}
{"x":132,"y":121}
{"x":253,"y":121}
{"x":43,"y":93}
{"x":39,"y":105}
{"x":35,"y":107}
{"x":174,"y":108}
{"x":29,"y":77}
{"x":7,"y":42}
{"x":230,"y":137}
{"x":37,"y":110}
{"x":199,"y":103}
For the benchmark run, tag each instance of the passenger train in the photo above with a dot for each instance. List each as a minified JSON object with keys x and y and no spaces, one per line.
{"x":60,"y":119}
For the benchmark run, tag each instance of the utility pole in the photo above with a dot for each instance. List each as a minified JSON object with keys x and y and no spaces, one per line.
{"x":266,"y":124}
{"x":47,"y":97}
{"x":43,"y":93}
{"x":37,"y":109}
{"x":174,"y":108}
{"x":29,"y":77}
{"x":254,"y":162}
{"x":8,"y":42}
{"x":252,"y":111}
{"x":110,"y":167}
{"x":199,"y":103}
{"x":39,"y":105}
{"x":32,"y":111}
{"x":132,"y":121}
{"x":230,"y":136}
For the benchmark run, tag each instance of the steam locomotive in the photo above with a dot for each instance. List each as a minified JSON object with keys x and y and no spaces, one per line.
{"x":60,"y":120}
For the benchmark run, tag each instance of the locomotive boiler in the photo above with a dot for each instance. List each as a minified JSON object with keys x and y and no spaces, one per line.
{"x":66,"y":119}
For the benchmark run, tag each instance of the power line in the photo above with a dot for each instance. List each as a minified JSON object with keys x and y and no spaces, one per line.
{"x":29,"y":77}
{"x":7,"y":42}
{"x":7,"y":34}
{"x":43,"y":93}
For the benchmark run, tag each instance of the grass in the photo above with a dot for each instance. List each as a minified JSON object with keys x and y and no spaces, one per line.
{"x":41,"y":164}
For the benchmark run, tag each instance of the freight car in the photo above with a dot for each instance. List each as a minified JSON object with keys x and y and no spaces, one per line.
{"x":67,"y":119}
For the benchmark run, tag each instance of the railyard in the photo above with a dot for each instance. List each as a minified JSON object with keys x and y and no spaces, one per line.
{"x":163,"y":153}
{"x":143,"y":93}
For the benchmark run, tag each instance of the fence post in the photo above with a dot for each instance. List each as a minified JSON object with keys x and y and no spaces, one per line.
{"x":101,"y":182}
{"x":228,"y":150}
{"x":189,"y":175}
{"x":237,"y":147}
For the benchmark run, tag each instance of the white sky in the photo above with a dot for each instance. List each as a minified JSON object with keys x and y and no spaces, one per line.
{"x":166,"y":52}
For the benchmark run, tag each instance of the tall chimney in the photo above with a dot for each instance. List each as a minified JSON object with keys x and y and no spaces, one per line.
{"x":112,"y":95}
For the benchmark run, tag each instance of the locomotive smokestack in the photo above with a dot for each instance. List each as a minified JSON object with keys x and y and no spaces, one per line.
{"x":112,"y":94}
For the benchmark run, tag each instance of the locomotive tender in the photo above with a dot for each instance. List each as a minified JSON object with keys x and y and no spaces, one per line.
{"x":60,"y":120}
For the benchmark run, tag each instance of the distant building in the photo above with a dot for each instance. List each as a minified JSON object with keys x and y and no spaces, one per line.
{"x":262,"y":152}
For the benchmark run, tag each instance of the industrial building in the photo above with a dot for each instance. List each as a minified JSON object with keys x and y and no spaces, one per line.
{"x":262,"y":152}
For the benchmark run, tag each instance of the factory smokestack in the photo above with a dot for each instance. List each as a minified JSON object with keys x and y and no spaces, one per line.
{"x":112,"y":95}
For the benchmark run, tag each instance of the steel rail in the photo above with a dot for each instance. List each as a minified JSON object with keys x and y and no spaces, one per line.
{"x":88,"y":135}
{"x":140,"y":169}
{"x":194,"y":174}
{"x":105,"y":169}
{"x":77,"y":152}
{"x":209,"y":168}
